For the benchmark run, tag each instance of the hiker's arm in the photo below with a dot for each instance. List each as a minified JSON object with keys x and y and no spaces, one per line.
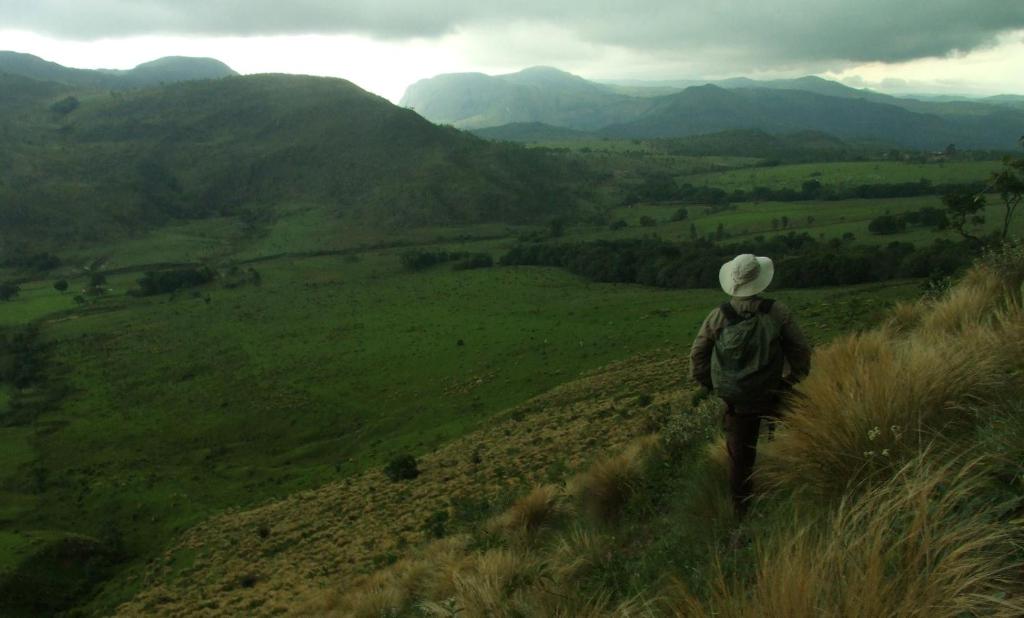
{"x":700,"y":353}
{"x":794,"y":345}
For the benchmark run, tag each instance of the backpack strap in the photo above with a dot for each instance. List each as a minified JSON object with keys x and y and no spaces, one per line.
{"x":766,"y":305}
{"x":731,"y":315}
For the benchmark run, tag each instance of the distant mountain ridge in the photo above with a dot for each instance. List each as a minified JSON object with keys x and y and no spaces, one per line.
{"x":166,"y":70}
{"x":551,"y":97}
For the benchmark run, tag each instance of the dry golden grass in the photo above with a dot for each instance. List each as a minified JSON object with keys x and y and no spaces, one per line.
{"x":605,"y":487}
{"x":903,"y":317}
{"x":873,"y":399}
{"x":321,"y":541}
{"x":578,"y":552}
{"x":535,"y":511}
{"x":516,"y":579}
{"x":982,"y":294}
{"x":919,"y":544}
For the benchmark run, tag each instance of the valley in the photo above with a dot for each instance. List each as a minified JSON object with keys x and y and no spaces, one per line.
{"x":240,"y":328}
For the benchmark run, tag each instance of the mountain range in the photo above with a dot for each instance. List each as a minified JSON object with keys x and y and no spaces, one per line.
{"x":161,"y":71}
{"x":641,"y":110}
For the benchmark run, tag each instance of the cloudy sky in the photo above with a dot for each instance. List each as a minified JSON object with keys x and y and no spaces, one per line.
{"x":897,"y":46}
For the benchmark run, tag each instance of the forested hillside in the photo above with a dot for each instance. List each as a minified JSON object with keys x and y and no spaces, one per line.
{"x":115,"y":163}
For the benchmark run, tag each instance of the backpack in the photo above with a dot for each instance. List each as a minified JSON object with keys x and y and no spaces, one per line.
{"x":747,"y":360}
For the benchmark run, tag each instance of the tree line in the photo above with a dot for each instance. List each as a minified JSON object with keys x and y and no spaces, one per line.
{"x":661,"y":187}
{"x":802,"y":260}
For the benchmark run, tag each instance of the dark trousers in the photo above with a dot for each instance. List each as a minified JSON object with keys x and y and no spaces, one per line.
{"x":742,"y":426}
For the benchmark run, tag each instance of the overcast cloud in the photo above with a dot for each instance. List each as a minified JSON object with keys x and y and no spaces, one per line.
{"x":728,"y":33}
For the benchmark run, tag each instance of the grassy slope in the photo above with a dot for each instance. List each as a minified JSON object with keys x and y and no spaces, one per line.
{"x":892,"y":488}
{"x":374,"y":520}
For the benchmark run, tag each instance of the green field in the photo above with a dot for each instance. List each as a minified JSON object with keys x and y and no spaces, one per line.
{"x":822,"y":220}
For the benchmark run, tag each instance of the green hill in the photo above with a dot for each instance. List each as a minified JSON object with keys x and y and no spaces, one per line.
{"x":538,"y":94}
{"x":164,"y":70}
{"x":241,"y":146}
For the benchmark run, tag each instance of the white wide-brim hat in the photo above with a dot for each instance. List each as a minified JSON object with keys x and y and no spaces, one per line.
{"x":746,"y":275}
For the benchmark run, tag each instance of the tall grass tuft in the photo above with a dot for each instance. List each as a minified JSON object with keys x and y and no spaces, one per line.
{"x":605,"y":488}
{"x":921,"y":543}
{"x":532,"y":513}
{"x":873,"y":399}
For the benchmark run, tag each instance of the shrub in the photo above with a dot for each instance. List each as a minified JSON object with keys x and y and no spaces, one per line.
{"x":166,"y":281}
{"x":887,"y":224}
{"x":476,"y":260}
{"x":421,"y":260}
{"x":9,"y":291}
{"x":65,"y":106}
{"x":402,"y":468}
{"x":680,"y":215}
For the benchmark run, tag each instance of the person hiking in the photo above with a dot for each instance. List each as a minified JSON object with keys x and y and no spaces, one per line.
{"x":740,"y":353}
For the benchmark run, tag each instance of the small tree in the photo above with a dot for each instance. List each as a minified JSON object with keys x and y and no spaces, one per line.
{"x":963,"y":207}
{"x":61,"y":285}
{"x":887,"y":224}
{"x":646,"y":221}
{"x":97,"y":281}
{"x":1009,"y":182}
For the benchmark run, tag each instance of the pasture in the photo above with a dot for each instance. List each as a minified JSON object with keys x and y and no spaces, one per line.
{"x":823,"y":220}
